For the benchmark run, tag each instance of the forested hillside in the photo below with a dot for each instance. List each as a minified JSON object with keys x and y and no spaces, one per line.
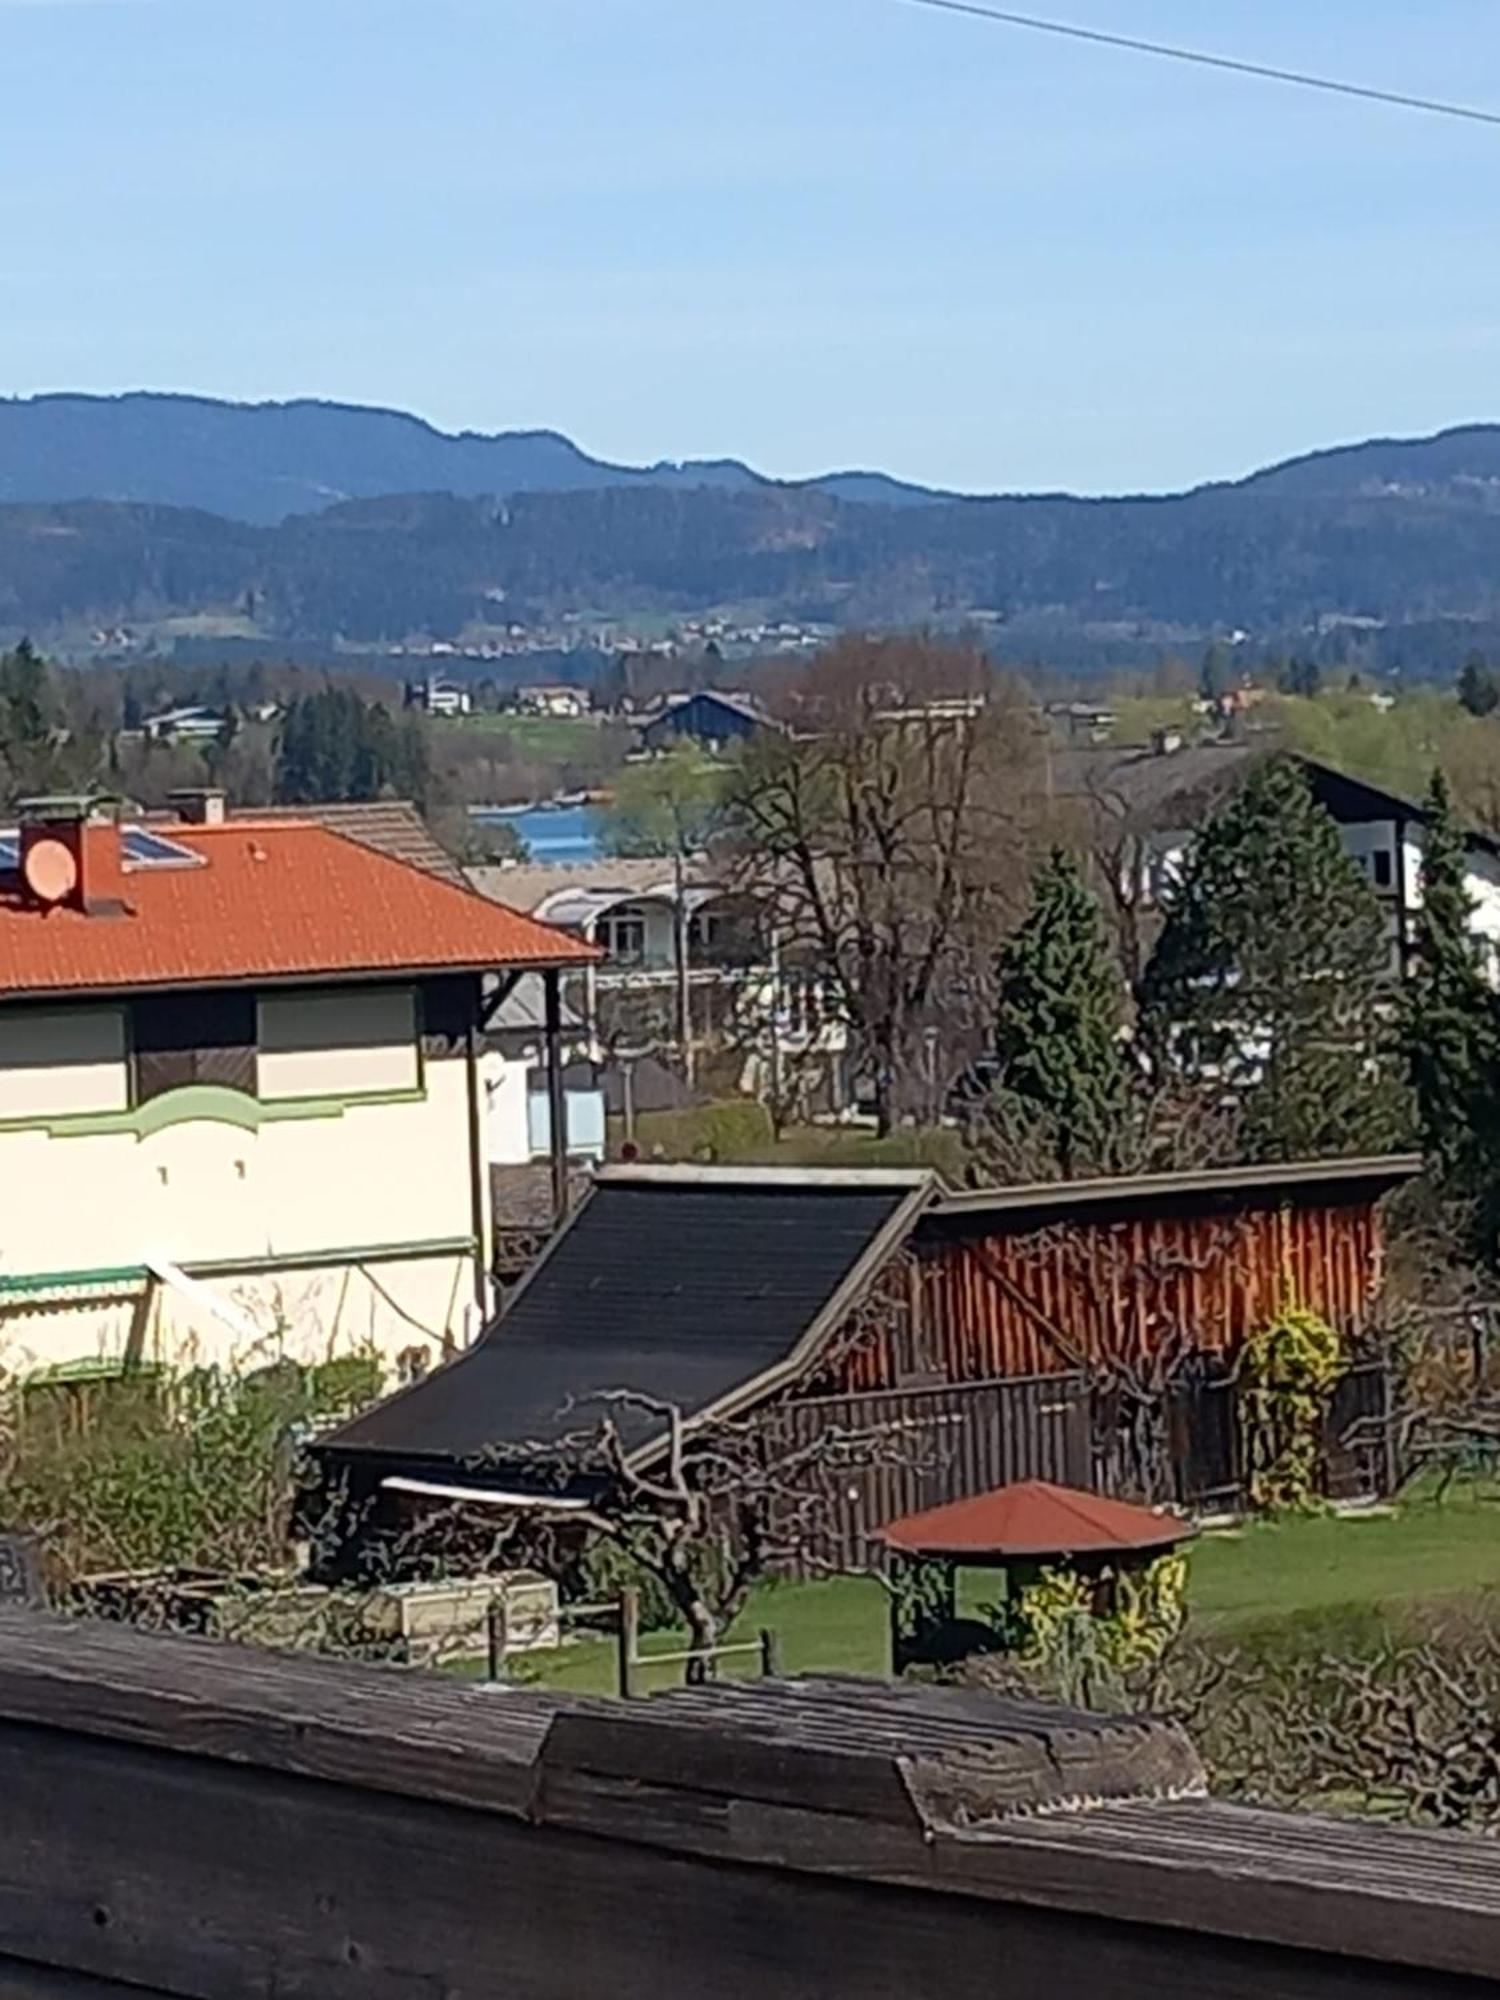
{"x":1413,"y":556}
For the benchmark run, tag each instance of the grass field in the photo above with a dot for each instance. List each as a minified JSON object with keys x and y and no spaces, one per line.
{"x":551,"y":739}
{"x":1245,"y":1582}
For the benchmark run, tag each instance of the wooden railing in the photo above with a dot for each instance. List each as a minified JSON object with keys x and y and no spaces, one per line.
{"x":183,"y":1820}
{"x":621,"y":1617}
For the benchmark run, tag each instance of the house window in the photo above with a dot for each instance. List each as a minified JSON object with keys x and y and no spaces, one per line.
{"x":60,"y":1061}
{"x":1382,"y":874}
{"x":621,"y":934}
{"x":706,"y":932}
{"x":358,"y":1042}
{"x":802,"y":1008}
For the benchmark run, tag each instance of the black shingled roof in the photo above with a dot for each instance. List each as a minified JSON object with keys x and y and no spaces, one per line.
{"x":684,"y":1286}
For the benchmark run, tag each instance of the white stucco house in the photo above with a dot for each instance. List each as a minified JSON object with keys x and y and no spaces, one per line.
{"x":242,"y":1110}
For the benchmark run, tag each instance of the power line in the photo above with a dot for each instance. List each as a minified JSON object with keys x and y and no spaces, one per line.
{"x":1266,"y":71}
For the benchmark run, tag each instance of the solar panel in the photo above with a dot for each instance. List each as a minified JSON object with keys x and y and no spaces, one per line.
{"x":144,"y":849}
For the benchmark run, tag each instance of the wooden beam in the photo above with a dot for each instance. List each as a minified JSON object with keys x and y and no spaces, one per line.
{"x":225,"y":1824}
{"x":557,"y":1096}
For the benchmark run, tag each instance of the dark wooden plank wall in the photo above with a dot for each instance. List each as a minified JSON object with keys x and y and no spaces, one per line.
{"x":194,"y":1823}
{"x":1004,"y":1301}
{"x":900,"y":1451}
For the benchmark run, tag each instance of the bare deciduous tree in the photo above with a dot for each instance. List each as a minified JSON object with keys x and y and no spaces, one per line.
{"x":888,"y":837}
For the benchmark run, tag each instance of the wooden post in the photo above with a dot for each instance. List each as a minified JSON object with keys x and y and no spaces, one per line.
{"x":557,"y":1096}
{"x":479,"y":1172}
{"x":630,"y":1633}
{"x":497,"y":1629}
{"x":770,"y":1654}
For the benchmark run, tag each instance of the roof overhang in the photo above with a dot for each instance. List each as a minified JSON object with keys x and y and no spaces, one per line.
{"x":1372,"y":1177}
{"x":388,"y":975}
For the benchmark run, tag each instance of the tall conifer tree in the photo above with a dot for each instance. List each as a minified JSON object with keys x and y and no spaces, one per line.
{"x":1451,"y":1032}
{"x":1062,"y":1089}
{"x":1271,"y":981}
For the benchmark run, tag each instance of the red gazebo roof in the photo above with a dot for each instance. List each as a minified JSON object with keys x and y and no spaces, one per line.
{"x":1034,"y":1518}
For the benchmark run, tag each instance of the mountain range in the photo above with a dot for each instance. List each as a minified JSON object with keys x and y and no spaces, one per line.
{"x":263,"y":461}
{"x":321,"y":523}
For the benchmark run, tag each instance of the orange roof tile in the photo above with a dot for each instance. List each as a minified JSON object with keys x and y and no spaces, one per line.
{"x":274,"y":900}
{"x":1034,"y":1518}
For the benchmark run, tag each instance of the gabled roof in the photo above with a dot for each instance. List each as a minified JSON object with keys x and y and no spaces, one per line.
{"x":529,"y":885}
{"x":1174,"y":790}
{"x":743,"y":705}
{"x":390,"y":826}
{"x":269,"y":900}
{"x":1034,"y":1518}
{"x":701,"y":1288}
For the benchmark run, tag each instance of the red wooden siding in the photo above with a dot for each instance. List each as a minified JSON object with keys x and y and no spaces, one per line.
{"x":993,"y":1300}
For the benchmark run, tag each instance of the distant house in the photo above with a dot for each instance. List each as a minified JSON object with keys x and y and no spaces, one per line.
{"x":1089,"y":721}
{"x":241,"y":1097}
{"x":687,"y":965}
{"x":1147,"y":803}
{"x":194,"y":724}
{"x":711,"y":719}
{"x":989,"y":1328}
{"x":570,"y":703}
{"x":436,"y":696}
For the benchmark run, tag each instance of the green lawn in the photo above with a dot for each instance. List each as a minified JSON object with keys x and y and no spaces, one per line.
{"x":1422,"y":1550}
{"x":1259,"y":1577}
{"x":551,"y":739}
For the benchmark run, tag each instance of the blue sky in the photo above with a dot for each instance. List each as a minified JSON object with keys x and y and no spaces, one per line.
{"x":809,"y":233}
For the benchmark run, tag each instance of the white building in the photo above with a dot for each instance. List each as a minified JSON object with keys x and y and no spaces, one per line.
{"x":1154,"y":799}
{"x":193,"y":724}
{"x":241,"y":1100}
{"x":517,"y":1099}
{"x":436,"y":696}
{"x":568,"y":702}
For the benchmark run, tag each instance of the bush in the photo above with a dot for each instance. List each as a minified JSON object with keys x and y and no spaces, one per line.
{"x":161,"y":1471}
{"x":736,"y":1130}
{"x":604,"y":1570}
{"x":1393,"y":1713}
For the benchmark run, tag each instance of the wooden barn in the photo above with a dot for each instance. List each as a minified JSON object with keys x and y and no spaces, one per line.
{"x":1054,"y":1332}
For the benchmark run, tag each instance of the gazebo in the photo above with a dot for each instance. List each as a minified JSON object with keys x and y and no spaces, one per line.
{"x":1021,"y":1530}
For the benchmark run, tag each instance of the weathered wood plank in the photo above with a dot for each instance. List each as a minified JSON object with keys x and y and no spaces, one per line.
{"x":201,"y":1880}
{"x":437,"y":1737}
{"x":19,"y":1981}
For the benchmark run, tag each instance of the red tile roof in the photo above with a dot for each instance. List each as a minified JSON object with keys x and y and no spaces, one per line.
{"x":273,"y":901}
{"x":1034,"y":1518}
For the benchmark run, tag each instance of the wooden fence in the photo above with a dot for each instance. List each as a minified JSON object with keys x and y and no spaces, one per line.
{"x":899,"y":1451}
{"x":188,"y":1821}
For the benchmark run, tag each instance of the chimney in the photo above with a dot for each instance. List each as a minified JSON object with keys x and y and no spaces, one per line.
{"x":202,"y":805}
{"x":71,"y":855}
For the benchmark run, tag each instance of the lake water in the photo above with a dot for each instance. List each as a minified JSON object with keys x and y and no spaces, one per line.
{"x":553,"y":833}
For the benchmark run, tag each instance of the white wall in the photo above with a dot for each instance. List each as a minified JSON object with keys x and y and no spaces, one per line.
{"x":356,"y":1177}
{"x":1482,"y":879}
{"x":1164,"y":853}
{"x":425,"y":1305}
{"x":507,"y":1119}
